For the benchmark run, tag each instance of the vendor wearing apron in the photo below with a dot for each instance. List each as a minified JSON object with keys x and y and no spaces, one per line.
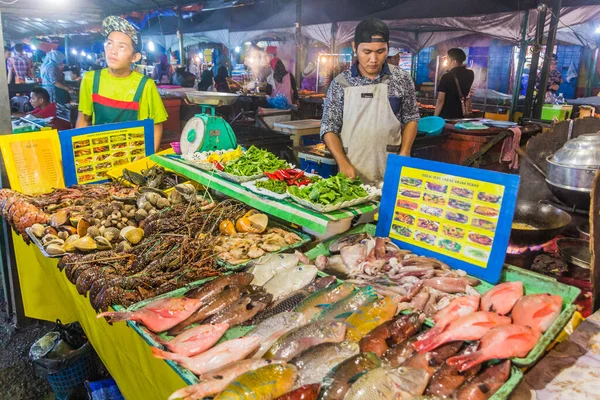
{"x":371,"y":109}
{"x":116,"y":93}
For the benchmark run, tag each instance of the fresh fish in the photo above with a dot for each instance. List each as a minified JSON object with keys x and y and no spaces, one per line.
{"x":195,"y":340}
{"x":343,"y":308}
{"x":273,"y":328}
{"x":316,"y":302}
{"x":501,"y":298}
{"x":334,"y":266}
{"x":217,"y":285}
{"x":501,"y":342}
{"x":215,"y":381}
{"x":159,"y":315}
{"x":391,"y":333}
{"x":397,"y":355}
{"x":300,"y":339}
{"x":469,"y":327}
{"x":432,"y":361}
{"x":537,"y":310}
{"x":337,"y":382}
{"x":213,"y":305}
{"x":484,"y":385}
{"x":242,"y":310}
{"x":347,"y":240}
{"x":313,"y":364}
{"x":264,"y":383}
{"x":451,"y":285}
{"x":220,"y":355}
{"x":322,"y":283}
{"x":268,"y":265}
{"x":448,"y":378}
{"x":388,"y":384}
{"x":366,"y":318}
{"x":306,"y":392}
{"x":285,"y":304}
{"x":290,"y":279}
{"x":459,"y":307}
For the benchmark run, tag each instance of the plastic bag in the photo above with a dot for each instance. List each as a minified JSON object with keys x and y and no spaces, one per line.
{"x":280,"y":102}
{"x":103,"y":390}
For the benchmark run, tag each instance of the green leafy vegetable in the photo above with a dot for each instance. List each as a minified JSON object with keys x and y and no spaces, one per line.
{"x":334,"y":190}
{"x":275,"y":186}
{"x":254,"y":162}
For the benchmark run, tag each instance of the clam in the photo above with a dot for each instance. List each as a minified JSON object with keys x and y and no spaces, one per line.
{"x":68,"y":228}
{"x":71,"y":239}
{"x":162,"y":203}
{"x":59,"y":218}
{"x":152,"y":197}
{"x":58,"y":242}
{"x":93,"y":231}
{"x":49,"y":231}
{"x":123,"y":246}
{"x":55,"y":250}
{"x":133,"y":235}
{"x":74,"y":220}
{"x":37,"y":230}
{"x":85,"y":243}
{"x":111,"y":234}
{"x":63,"y":235}
{"x":175,"y":197}
{"x":48,"y":238}
{"x":141,"y":215}
{"x":227,"y":228}
{"x":69,"y":248}
{"x":102,"y":243}
{"x":258,"y":222}
{"x":82,"y":227}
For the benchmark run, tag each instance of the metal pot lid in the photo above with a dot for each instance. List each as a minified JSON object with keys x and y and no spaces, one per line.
{"x":583,"y":151}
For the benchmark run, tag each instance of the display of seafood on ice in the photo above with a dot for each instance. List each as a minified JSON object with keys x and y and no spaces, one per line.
{"x":422,"y":283}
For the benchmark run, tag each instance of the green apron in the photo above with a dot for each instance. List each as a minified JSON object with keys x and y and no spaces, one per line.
{"x":107,"y":111}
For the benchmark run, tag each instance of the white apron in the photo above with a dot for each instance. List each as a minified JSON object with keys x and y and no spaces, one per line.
{"x":369,"y":126}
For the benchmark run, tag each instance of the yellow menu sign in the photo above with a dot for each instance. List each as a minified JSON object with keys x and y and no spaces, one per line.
{"x":451,"y":215}
{"x":33,"y":161}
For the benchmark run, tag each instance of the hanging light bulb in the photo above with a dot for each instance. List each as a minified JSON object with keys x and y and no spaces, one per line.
{"x":151,"y":47}
{"x":237,"y":49}
{"x":74,"y":52}
{"x":83,"y":53}
{"x":89,"y":57}
{"x":33,"y":48}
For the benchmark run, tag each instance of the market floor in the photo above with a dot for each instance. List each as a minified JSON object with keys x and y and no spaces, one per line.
{"x":18,"y":380}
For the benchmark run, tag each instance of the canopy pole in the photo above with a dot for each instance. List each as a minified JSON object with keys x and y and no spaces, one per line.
{"x":414,"y":60}
{"x":592,"y":66}
{"x":535,"y":60}
{"x":541,"y":94}
{"x":67,"y":49}
{"x":332,"y":46}
{"x":180,"y":35}
{"x":298,"y":37}
{"x":520,"y":66}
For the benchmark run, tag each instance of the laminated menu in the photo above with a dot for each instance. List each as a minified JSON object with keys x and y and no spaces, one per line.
{"x":89,"y":153}
{"x":33,"y":161}
{"x":457,"y":214}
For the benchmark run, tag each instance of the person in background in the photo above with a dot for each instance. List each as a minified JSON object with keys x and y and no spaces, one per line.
{"x":118,"y":94}
{"x":53,"y":79}
{"x":371,"y":109}
{"x":393,"y":56}
{"x":42,"y":107}
{"x":9,"y":72}
{"x":309,"y":77}
{"x":282,"y":82}
{"x":75,"y":73}
{"x":206,"y":81}
{"x":21,"y":65}
{"x":448,"y":105}
{"x":221,"y":80}
{"x":555,"y":79}
{"x":163,"y":71}
{"x":194,"y":67}
{"x":183,"y":78}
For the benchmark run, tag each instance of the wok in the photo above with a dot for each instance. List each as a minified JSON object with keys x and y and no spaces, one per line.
{"x":549,"y":221}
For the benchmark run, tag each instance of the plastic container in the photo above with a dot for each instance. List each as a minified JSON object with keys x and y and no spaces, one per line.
{"x":298,"y":129}
{"x":431,"y":126}
{"x":176,"y":146}
{"x":310,"y":140}
{"x":320,"y":165}
{"x":560,"y":112}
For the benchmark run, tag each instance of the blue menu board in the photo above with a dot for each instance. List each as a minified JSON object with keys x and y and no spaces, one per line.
{"x":459,"y":215}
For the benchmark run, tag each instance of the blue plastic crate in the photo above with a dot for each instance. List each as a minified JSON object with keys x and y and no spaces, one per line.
{"x":310,"y":140}
{"x":314,"y":164}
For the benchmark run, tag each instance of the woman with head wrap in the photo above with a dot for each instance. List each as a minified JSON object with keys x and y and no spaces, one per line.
{"x":221,"y":80}
{"x":163,"y":71}
{"x":53,"y":78}
{"x":206,"y":81}
{"x":283,"y":82}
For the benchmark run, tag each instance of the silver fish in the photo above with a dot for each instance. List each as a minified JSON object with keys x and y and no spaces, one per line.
{"x":273,"y":328}
{"x":313,"y":364}
{"x":389,"y":384}
{"x":290,"y":279}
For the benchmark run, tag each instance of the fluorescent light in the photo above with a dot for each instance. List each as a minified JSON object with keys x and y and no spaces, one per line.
{"x":89,"y":57}
{"x":598,"y":30}
{"x":74,"y":52}
{"x":248,"y":43}
{"x":151,"y":46}
{"x":237,"y":49}
{"x":33,"y":48}
{"x":83,"y":53}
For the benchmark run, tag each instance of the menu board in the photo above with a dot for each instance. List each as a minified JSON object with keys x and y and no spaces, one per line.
{"x":459,"y":215}
{"x":93,"y":151}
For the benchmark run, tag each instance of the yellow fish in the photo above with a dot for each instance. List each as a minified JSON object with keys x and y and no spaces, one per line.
{"x":265,"y":383}
{"x":369,"y":317}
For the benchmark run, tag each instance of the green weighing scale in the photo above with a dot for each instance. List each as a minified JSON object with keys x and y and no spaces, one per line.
{"x":207,"y":131}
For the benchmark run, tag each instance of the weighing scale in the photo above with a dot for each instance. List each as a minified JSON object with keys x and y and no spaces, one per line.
{"x":207,"y":131}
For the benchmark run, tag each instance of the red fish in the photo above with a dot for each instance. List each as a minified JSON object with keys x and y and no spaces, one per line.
{"x":537,"y":310}
{"x":195,"y":340}
{"x":459,"y":307}
{"x":306,"y":392}
{"x":484,"y":385}
{"x":160,"y":315}
{"x":470,"y":327}
{"x":501,"y":299}
{"x":501,"y":342}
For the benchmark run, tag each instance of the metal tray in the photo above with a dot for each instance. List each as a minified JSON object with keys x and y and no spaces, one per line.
{"x":374,"y":194}
{"x":216,"y":99}
{"x":40,"y":246}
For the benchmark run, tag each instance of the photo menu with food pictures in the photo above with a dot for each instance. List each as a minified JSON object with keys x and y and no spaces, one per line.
{"x":89,"y":153}
{"x":459,"y":215}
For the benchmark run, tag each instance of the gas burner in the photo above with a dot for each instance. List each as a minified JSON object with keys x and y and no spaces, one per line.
{"x":548,"y":247}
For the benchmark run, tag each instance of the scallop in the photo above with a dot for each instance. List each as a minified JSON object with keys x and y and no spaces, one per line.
{"x":37,"y":230}
{"x":59,"y":218}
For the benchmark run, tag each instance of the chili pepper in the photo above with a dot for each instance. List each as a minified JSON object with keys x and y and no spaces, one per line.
{"x":271,"y":176}
{"x":280,"y":176}
{"x":218,"y":165}
{"x":284,"y":173}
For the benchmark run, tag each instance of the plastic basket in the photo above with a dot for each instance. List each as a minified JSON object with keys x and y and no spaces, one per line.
{"x":72,"y":377}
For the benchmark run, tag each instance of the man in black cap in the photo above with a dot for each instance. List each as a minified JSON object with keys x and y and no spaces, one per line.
{"x":370,"y":109}
{"x":116,"y":93}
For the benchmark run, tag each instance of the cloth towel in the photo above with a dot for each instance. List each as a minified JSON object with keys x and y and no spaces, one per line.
{"x":508,"y":153}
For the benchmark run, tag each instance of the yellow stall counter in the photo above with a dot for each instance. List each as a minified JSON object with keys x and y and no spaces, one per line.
{"x":48,"y":295}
